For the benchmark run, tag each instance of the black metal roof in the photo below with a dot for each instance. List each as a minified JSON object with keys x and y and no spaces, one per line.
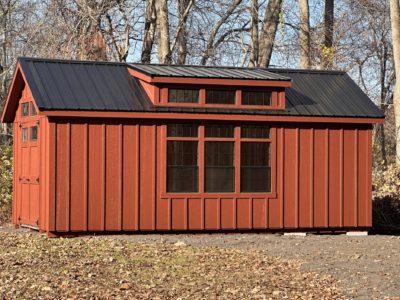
{"x":77,"y":85}
{"x":207,"y":72}
{"x":103,"y":86}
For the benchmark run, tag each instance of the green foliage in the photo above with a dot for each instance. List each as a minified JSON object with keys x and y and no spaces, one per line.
{"x":6,"y":182}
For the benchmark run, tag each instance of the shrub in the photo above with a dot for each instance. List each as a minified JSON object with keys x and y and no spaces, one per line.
{"x":6,"y":183}
{"x":386,"y":199}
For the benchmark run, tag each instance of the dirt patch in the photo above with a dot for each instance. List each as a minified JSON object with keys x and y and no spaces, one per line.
{"x":34,"y":267}
{"x":369,"y":267}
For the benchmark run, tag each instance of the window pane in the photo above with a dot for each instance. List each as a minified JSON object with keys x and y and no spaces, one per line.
{"x":255,"y":132}
{"x":34,"y":133}
{"x":256,"y":98}
{"x":215,"y":130}
{"x":33,"y":109}
{"x":255,"y":167}
{"x":219,"y":167}
{"x":25,"y":109}
{"x":221,"y":96}
{"x":183,"y":95}
{"x":182,"y":168}
{"x":182,"y":130}
{"x":24,"y":135}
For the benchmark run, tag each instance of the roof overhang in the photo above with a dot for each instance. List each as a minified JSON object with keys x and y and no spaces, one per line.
{"x":14,"y":94}
{"x":214,"y":117}
{"x":208,"y":81}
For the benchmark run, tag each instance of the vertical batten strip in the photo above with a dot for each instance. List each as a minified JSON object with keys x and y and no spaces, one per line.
{"x":52,"y":175}
{"x":297,"y":175}
{"x":282,"y":163}
{"x":312,"y":177}
{"x":341,"y":202}
{"x":137,"y":178}
{"x":327,"y":176}
{"x":186,"y":210}
{"x":103,"y":185}
{"x":121,"y":174}
{"x":68,"y":206}
{"x":356,"y":178}
{"x":154,"y":184}
{"x":86,"y":176}
{"x":369,"y":179}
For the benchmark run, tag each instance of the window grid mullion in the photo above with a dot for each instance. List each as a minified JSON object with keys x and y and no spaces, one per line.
{"x":237,"y":159}
{"x":201,"y":162}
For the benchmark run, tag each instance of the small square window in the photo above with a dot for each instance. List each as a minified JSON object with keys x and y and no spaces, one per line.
{"x":33,"y":109}
{"x":25,"y":109}
{"x":24,"y":135}
{"x":34,"y":133}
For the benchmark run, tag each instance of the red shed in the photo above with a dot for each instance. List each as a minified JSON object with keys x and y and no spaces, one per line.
{"x":103,"y":147}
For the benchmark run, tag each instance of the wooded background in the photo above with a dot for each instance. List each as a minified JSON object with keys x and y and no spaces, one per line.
{"x":355,"y":36}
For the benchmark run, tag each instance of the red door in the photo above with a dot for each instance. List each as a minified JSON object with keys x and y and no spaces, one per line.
{"x":29,"y":173}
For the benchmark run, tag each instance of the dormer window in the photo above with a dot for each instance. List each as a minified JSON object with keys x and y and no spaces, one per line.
{"x":220,"y":96}
{"x":254,"y":97}
{"x":183,"y":95}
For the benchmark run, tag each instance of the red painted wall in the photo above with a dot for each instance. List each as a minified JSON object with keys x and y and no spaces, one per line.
{"x":107,"y":176}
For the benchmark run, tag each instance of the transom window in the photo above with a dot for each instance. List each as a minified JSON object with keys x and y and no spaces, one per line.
{"x":183,"y":95}
{"x":229,"y":160}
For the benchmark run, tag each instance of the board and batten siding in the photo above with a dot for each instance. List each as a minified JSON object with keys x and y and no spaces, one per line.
{"x":107,"y":176}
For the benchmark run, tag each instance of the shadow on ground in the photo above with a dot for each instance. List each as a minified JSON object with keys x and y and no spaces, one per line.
{"x":386,"y":216}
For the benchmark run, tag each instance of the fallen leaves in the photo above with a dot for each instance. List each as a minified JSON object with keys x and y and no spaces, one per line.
{"x":32,"y":266}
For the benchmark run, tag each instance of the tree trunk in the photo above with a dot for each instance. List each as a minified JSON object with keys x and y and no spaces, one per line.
{"x":305,"y":57}
{"x":149,"y":29}
{"x":163,"y":50}
{"x":268,"y":33}
{"x":254,"y":34}
{"x":182,"y":34}
{"x":395,"y":22}
{"x":327,"y":51}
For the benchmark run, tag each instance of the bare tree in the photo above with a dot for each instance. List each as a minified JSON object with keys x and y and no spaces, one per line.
{"x":268,"y":33}
{"x":149,"y":30}
{"x":210,"y":48}
{"x":254,"y":33}
{"x":305,"y":43}
{"x":181,"y":35}
{"x":395,"y":22}
{"x":162,"y":29}
{"x":327,"y":51}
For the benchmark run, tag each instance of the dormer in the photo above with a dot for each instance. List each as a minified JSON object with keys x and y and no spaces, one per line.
{"x":211,"y":87}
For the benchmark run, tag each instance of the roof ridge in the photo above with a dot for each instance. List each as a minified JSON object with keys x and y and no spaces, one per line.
{"x":133,"y":64}
{"x":307,"y":71}
{"x":71,"y":61}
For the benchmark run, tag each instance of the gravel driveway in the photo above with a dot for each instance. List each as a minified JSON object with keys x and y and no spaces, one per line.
{"x":369,"y":266}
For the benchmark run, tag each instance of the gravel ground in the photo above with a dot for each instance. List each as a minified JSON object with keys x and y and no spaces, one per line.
{"x":35,"y":267}
{"x":368,"y":266}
